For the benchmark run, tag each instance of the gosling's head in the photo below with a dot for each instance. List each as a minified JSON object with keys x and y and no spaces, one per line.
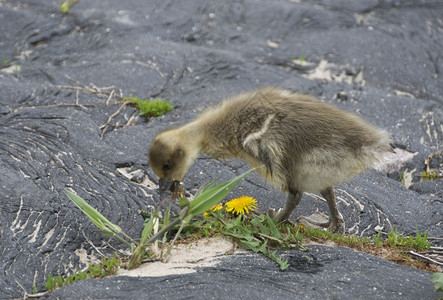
{"x":170,"y":156}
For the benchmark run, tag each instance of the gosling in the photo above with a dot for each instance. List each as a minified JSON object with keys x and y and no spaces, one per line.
{"x":296,"y":142}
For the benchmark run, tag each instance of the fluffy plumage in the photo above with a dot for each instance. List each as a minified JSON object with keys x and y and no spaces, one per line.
{"x":304,"y":145}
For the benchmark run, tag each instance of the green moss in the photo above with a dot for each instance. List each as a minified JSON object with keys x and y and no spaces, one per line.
{"x":150,"y":108}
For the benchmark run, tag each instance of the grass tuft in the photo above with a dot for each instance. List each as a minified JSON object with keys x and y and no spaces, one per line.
{"x":107,"y":267}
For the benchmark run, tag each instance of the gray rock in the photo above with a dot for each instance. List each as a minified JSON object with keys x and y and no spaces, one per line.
{"x":331,"y":273}
{"x":429,"y":187}
{"x":379,"y":59}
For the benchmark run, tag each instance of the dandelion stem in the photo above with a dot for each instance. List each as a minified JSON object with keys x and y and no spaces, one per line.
{"x":163,"y":231}
{"x":220,"y":219}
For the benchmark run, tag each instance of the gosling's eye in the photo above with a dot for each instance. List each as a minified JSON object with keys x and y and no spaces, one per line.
{"x":166,"y":166}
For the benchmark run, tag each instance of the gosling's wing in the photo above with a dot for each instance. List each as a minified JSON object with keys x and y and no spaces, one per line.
{"x":262,"y":147}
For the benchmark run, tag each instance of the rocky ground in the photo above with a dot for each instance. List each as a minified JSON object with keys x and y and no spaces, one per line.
{"x":61,"y":79}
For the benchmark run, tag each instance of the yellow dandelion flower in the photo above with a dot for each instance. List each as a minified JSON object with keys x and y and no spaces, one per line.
{"x":216,"y":207}
{"x":241,"y":205}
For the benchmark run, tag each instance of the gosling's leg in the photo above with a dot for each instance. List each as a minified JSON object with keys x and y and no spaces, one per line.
{"x":293,"y":200}
{"x":335,"y":219}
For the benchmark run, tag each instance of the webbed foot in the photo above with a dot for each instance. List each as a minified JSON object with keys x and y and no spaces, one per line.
{"x":278,"y":218}
{"x":293,"y":200}
{"x":318,"y":220}
{"x":272,"y":213}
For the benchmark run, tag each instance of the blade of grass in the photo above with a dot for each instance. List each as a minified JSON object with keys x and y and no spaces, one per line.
{"x":205,"y":188}
{"x":147,"y":230}
{"x":97,"y":218}
{"x":166,"y":221}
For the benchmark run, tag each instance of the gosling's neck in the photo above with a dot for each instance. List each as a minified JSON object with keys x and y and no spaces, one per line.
{"x":192,"y":138}
{"x":198,"y":137}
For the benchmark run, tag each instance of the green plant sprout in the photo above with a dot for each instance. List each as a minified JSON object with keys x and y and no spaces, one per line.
{"x":65,"y":6}
{"x":150,"y":108}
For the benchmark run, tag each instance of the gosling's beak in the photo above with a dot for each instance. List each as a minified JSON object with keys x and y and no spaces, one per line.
{"x":164,"y":186}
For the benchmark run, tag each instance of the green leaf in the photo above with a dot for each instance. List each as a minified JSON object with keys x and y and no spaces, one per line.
{"x":147,"y":230}
{"x":283,"y":263}
{"x":252,"y":244}
{"x":167,"y":218}
{"x":97,"y":218}
{"x":205,"y":188}
{"x":274,"y":231}
{"x":182,"y":202}
{"x":258,"y":222}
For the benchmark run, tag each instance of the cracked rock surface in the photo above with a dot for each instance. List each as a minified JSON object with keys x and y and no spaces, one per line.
{"x":62,"y":78}
{"x":334,"y":273}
